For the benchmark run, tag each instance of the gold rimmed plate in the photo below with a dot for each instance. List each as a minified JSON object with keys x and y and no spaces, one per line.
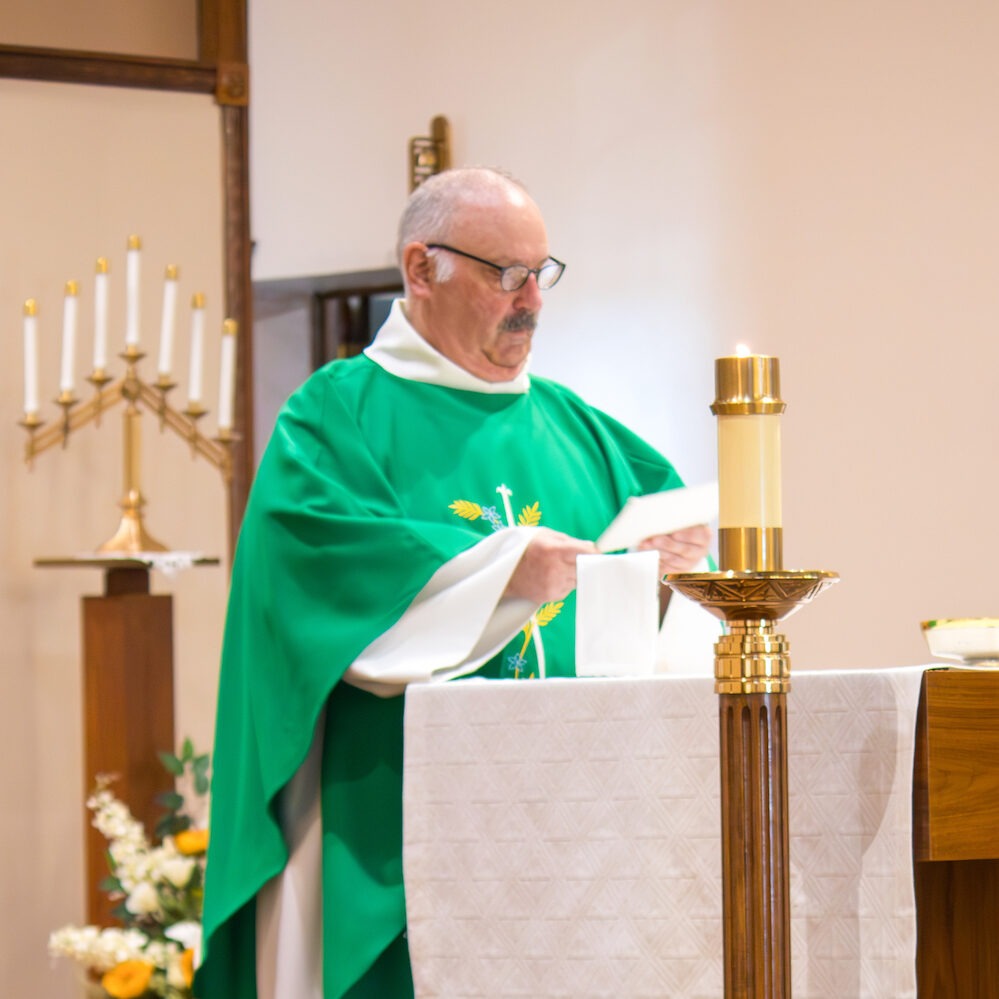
{"x":972,"y":641}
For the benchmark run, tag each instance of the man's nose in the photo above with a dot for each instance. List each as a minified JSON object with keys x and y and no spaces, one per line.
{"x":529,"y":294}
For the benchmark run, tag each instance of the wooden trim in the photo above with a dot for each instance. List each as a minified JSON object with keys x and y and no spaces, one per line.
{"x":67,"y":66}
{"x":239,"y":300}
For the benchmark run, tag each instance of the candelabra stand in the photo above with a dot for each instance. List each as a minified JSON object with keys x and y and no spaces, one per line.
{"x":752,"y":676}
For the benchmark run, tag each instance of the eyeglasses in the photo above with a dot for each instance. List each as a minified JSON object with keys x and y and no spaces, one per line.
{"x":514,"y":277}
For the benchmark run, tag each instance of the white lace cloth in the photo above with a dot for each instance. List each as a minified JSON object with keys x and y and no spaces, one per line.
{"x":562,"y":837}
{"x":169,"y":563}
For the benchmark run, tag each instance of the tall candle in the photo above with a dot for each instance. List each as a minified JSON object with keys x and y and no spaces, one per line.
{"x":101,"y":315}
{"x":132,"y":273}
{"x":30,"y":357}
{"x":167,"y":323}
{"x":227,"y":375}
{"x":748,"y":407}
{"x":197,"y":336}
{"x":68,"y":338}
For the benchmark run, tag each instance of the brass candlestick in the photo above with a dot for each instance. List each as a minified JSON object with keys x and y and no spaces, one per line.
{"x":751,"y":592}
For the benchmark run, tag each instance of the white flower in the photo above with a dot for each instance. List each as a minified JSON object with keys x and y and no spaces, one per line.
{"x":188,"y":935}
{"x":144,"y":900}
{"x":98,"y":949}
{"x":176,"y":870}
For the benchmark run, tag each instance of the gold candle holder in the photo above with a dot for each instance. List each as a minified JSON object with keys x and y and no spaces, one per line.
{"x":748,"y":406}
{"x":750,"y":593}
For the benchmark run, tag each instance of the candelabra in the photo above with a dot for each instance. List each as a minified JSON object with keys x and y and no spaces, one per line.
{"x":131,"y":537}
{"x":752,"y":675}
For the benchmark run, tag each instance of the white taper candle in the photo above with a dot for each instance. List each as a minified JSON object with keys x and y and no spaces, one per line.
{"x":30,"y":357}
{"x":197,"y":336}
{"x":101,"y":315}
{"x":68,"y":338}
{"x":167,"y":323}
{"x":227,"y":375}
{"x":132,"y":274}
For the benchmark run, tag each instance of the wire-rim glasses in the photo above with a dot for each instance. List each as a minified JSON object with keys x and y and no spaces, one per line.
{"x":514,"y":277}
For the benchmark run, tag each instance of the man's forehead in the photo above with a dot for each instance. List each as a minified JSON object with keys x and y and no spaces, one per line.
{"x":511,"y":215}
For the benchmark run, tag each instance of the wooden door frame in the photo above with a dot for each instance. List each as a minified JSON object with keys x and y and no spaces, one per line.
{"x":221,"y":70}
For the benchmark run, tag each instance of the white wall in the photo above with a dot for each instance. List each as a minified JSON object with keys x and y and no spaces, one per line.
{"x":816,"y":180}
{"x":82,"y":168}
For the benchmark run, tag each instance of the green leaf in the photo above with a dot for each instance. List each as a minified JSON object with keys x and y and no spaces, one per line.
{"x":187,"y":752}
{"x":201,"y":763}
{"x":172,"y":764}
{"x":170,"y":799}
{"x":201,"y":784}
{"x":110,"y":884}
{"x":172,"y":824}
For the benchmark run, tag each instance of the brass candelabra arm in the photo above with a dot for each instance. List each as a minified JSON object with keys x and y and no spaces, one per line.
{"x":42,"y":436}
{"x":99,"y":378}
{"x":218,"y":450}
{"x":164,"y":385}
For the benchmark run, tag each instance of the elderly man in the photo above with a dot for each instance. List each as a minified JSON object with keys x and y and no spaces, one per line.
{"x":416,"y":517}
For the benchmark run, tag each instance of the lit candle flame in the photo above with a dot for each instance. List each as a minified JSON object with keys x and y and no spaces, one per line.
{"x":742,"y":350}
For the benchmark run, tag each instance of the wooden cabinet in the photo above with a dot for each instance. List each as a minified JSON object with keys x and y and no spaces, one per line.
{"x":955,"y":810}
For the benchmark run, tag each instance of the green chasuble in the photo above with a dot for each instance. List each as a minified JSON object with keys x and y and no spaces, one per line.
{"x":370,"y":483}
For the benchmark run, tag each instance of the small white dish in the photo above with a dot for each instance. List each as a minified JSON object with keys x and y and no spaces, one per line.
{"x":973,"y":641}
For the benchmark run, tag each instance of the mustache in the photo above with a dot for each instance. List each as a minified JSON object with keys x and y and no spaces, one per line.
{"x":520,"y":322}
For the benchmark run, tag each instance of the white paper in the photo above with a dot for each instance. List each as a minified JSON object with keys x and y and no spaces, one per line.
{"x":660,"y":513}
{"x":617,"y":614}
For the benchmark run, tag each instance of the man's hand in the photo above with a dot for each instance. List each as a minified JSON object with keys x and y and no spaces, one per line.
{"x":680,"y":551}
{"x":547,"y":569}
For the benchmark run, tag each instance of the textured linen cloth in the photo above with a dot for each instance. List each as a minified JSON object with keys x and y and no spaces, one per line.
{"x":562,"y":837}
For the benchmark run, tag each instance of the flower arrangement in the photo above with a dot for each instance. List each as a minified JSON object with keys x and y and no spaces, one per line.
{"x":158,"y":888}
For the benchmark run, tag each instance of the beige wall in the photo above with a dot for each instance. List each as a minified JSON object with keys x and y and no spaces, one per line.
{"x":82,"y":169}
{"x":166,"y":28}
{"x":817,"y":180}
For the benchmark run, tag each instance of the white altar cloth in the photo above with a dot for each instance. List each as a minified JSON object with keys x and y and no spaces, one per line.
{"x":562,"y":837}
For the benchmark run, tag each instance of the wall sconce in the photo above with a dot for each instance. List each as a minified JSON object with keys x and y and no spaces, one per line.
{"x":429,"y":154}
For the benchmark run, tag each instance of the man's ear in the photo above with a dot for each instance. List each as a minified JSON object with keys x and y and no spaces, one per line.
{"x":417,"y":268}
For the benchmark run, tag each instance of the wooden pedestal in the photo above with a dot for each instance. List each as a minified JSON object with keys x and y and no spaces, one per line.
{"x":128,"y":710}
{"x":755,"y":854}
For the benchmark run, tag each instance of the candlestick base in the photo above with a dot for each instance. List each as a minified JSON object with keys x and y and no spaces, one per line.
{"x":741,"y":596}
{"x":132,"y":537}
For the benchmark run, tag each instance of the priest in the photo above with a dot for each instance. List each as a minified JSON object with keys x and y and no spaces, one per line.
{"x":416,"y":518}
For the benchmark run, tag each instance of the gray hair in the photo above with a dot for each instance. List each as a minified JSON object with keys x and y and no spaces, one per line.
{"x":430,"y":211}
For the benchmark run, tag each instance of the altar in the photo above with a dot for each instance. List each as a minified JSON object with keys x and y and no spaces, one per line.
{"x":562,"y":837}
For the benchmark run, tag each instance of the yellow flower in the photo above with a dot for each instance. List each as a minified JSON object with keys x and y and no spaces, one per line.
{"x":127,"y":980}
{"x":191,"y":841}
{"x":187,"y":966}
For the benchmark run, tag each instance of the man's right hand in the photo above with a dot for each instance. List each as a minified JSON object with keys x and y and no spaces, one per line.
{"x":547,"y":569}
